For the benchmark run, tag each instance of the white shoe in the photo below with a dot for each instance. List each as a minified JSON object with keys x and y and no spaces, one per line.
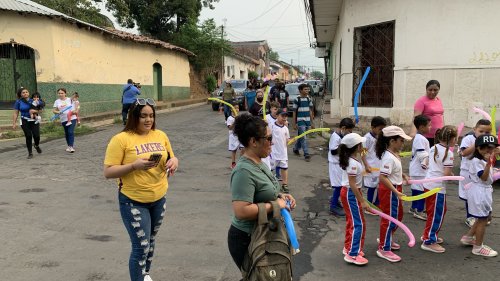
{"x":147,"y":278}
{"x":484,"y":251}
{"x":68,"y":149}
{"x":470,"y":221}
{"x":71,"y":149}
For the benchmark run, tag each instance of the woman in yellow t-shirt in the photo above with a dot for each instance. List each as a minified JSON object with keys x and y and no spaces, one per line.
{"x":142,"y":181}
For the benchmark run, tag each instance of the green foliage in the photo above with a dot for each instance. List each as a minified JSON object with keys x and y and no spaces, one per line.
{"x":206,"y":42}
{"x":273,"y":55}
{"x":252,"y":75}
{"x":211,"y":82}
{"x":317,"y":74}
{"x":84,"y":10}
{"x":157,"y":18}
{"x":48,"y":130}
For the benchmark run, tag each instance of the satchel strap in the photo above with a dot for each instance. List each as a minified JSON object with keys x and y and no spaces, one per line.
{"x":262,"y":216}
{"x":276,"y":209}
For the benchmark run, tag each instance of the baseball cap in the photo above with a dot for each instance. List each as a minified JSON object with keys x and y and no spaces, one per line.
{"x":391,"y":131}
{"x":352,"y":139}
{"x":488,"y":140}
{"x":282,"y":111}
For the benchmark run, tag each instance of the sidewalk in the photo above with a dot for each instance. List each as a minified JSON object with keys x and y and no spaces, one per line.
{"x":105,"y":119}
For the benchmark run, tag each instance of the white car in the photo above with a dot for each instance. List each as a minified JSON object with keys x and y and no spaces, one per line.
{"x":316,"y":85}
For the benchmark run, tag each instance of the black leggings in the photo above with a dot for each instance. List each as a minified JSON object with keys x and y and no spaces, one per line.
{"x":237,"y":242}
{"x":31,"y":131}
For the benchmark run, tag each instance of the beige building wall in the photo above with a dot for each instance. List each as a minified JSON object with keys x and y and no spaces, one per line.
{"x":451,"y":41}
{"x":237,"y":66}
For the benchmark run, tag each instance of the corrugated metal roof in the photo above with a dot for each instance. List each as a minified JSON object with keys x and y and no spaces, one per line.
{"x":30,"y":7}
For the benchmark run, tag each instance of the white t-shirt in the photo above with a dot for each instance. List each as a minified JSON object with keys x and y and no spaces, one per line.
{"x":419,"y":156}
{"x":355,"y":169}
{"x":230,"y":121}
{"x":61,"y":105}
{"x":334,"y":144}
{"x":371,"y":156}
{"x":477,"y":165}
{"x":436,"y":167}
{"x":390,"y":166}
{"x":467,"y":142}
{"x":270,"y":120}
{"x":280,"y":139}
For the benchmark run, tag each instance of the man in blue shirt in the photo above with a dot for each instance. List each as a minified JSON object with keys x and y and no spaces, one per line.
{"x":130,"y":93}
{"x":250,"y":97}
{"x":302,"y":115}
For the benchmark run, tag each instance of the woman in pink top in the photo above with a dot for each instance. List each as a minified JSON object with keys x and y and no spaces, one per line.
{"x":431,"y":106}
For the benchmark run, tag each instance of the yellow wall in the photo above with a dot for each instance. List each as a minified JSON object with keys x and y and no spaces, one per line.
{"x":66,"y":53}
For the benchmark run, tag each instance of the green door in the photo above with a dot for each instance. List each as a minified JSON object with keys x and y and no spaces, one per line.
{"x":157,"y":81}
{"x":17,"y":69}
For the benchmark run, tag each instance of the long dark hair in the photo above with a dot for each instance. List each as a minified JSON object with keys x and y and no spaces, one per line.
{"x":19,"y":91}
{"x":344,"y":154}
{"x":445,"y":134}
{"x":383,"y":143}
{"x":133,"y":118}
{"x":247,"y":126}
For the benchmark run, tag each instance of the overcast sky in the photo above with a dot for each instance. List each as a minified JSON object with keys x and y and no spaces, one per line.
{"x":281,"y":22}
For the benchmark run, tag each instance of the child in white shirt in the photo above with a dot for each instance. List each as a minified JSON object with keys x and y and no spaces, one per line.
{"x":279,"y":153}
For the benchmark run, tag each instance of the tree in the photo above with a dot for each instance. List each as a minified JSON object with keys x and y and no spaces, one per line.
{"x":84,"y":10}
{"x":273,"y":55}
{"x":317,"y":74}
{"x":157,"y":18}
{"x":252,"y":75}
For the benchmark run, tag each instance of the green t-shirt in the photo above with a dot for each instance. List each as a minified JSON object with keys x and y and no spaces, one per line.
{"x":252,"y":183}
{"x":227,"y":94}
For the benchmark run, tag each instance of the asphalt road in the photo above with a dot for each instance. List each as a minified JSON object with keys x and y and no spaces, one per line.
{"x":59,"y":217}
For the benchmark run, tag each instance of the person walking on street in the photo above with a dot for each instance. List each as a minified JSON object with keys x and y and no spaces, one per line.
{"x":61,"y":106}
{"x":228,"y":95}
{"x":30,"y":127}
{"x":141,"y":159}
{"x":129,"y":96}
{"x":303,"y":114}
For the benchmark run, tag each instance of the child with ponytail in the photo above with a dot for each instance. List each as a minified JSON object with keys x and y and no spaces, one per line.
{"x":352,"y":199}
{"x":440,"y":164}
{"x":389,"y":145}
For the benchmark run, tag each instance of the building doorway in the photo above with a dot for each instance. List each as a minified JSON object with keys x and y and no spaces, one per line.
{"x":17,"y":69}
{"x":374,"y":47}
{"x":157,"y":81}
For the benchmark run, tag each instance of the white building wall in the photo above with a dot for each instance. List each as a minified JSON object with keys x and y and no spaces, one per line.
{"x":452,"y":41}
{"x":238,"y":67}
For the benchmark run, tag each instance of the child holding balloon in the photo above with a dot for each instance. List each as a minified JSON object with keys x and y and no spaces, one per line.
{"x":467,"y":148}
{"x":419,"y":162}
{"x":440,"y":164}
{"x":233,"y":143}
{"x":479,"y":194}
{"x":389,"y":145}
{"x":335,"y":172}
{"x":352,"y":199}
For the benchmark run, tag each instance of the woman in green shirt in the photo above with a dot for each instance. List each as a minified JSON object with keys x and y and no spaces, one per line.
{"x":251,"y":182}
{"x":228,"y":94}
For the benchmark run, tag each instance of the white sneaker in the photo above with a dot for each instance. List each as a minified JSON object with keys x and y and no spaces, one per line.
{"x":68,"y":149}
{"x":470,"y":221}
{"x":71,"y":149}
{"x":484,"y":251}
{"x":147,"y":278}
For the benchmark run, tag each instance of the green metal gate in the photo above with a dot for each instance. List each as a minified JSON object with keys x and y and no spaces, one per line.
{"x":17,"y":69}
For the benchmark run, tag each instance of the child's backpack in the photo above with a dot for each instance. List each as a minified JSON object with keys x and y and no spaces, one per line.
{"x":269,"y":254}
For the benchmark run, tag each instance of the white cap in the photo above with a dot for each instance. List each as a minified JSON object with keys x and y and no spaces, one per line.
{"x":352,"y":139}
{"x":391,"y":131}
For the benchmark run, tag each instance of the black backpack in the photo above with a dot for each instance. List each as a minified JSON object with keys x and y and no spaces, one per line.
{"x":269,"y":255}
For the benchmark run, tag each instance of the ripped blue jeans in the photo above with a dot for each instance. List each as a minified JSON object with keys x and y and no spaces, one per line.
{"x":142,"y":221}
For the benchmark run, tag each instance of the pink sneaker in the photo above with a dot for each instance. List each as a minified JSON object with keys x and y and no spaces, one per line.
{"x":388,"y":255}
{"x":468,"y":240}
{"x":435,"y":248}
{"x":358,"y":260}
{"x":394,"y":245}
{"x":344,"y":252}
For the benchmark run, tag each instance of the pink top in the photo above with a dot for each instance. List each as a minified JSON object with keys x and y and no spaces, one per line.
{"x":432,"y":108}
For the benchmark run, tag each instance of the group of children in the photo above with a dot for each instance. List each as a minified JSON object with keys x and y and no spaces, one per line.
{"x":38,"y":104}
{"x":277,"y":162}
{"x":374,"y":161}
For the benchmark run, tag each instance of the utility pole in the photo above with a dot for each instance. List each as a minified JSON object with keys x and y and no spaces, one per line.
{"x":223,"y":66}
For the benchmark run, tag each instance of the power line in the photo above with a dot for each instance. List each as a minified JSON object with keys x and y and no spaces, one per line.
{"x":261,"y":15}
{"x":282,"y":13}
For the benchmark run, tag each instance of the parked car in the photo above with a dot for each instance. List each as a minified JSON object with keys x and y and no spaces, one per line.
{"x":293,"y":93}
{"x":317,"y":87}
{"x":239,"y":86}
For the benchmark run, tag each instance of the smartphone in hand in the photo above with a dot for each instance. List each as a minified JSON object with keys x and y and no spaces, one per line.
{"x":156,"y":157}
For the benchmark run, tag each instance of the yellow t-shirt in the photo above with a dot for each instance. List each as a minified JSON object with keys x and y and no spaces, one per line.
{"x":144,"y":186}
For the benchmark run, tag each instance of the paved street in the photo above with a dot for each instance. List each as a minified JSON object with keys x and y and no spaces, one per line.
{"x":59,"y":217}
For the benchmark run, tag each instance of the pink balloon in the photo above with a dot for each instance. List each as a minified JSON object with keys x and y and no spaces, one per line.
{"x":484,"y":113}
{"x":407,"y":231}
{"x":438,"y":179}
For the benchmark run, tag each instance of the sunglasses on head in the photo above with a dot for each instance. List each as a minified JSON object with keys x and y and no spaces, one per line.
{"x":141,"y":101}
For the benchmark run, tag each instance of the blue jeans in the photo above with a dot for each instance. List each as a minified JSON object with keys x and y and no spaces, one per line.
{"x":227,"y":111}
{"x":69,"y":132}
{"x":142,"y":221}
{"x":302,"y":142}
{"x":125,"y":109}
